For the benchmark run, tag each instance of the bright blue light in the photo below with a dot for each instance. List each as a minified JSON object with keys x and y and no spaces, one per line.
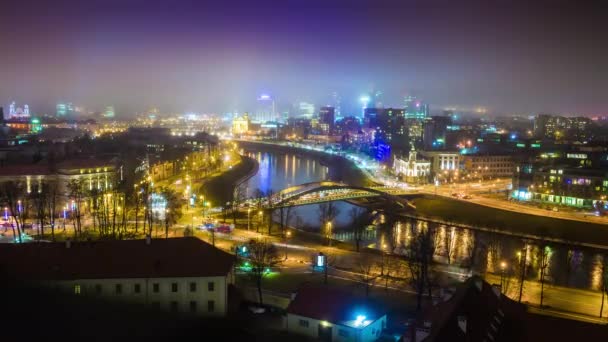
{"x":359,"y":320}
{"x":513,"y":136}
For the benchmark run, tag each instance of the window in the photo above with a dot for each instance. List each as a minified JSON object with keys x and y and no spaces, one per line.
{"x":210,"y":286}
{"x":98,"y":288}
{"x":137,"y":288}
{"x":173,"y":287}
{"x":155,"y":288}
{"x":303,"y":323}
{"x":192,"y":287}
{"x":210,"y":306}
{"x":173,"y":306}
{"x":118,"y":288}
{"x":77,"y":289}
{"x":193,"y":306}
{"x":343,"y":333}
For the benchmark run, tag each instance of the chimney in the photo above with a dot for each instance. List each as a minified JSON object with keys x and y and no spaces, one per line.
{"x":68,"y":243}
{"x":148,"y":239}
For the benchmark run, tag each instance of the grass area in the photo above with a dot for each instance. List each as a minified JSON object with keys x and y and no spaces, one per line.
{"x":219,"y":188}
{"x":477,"y":215}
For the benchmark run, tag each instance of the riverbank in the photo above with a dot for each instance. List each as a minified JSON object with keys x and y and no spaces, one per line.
{"x":512,"y":223}
{"x":340,"y":168}
{"x":219,"y":189}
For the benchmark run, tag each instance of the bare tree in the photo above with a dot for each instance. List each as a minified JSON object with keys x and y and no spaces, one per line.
{"x":76,"y":193}
{"x":358,"y":219}
{"x":603,"y":281}
{"x":449,"y":239}
{"x":366,"y":268}
{"x":173,"y":211}
{"x":39,"y":199}
{"x":263,"y":256}
{"x":327,"y":213}
{"x":420,"y":253}
{"x":238,"y":197}
{"x":51,"y":202}
{"x":285,"y":216}
{"x":544,"y":256}
{"x":10,"y":192}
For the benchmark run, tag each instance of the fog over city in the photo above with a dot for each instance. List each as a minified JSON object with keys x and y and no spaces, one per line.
{"x":214,"y":58}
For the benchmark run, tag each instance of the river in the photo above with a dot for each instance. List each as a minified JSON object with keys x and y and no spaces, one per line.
{"x":565,"y":265}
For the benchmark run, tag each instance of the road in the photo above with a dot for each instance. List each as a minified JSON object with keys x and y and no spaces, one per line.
{"x":380,"y":175}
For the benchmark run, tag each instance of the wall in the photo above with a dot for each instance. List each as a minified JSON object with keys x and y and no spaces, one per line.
{"x":370,"y":333}
{"x":163,"y":298}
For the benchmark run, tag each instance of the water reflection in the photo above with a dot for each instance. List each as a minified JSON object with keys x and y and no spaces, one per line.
{"x":487,"y":252}
{"x":481,"y":251}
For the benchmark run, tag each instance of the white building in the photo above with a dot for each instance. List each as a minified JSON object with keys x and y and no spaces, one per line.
{"x":329,"y":314}
{"x":182,"y":275}
{"x":443,"y":161}
{"x":412,"y":169}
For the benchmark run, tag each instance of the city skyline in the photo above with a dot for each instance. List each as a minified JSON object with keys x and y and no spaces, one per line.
{"x":218,"y":58}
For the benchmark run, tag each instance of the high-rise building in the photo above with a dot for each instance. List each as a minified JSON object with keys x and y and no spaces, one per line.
{"x":554,"y":127}
{"x":415,"y":109}
{"x":265,"y":110}
{"x":109,"y":112}
{"x":336,"y":102}
{"x":306,"y":110}
{"x":435,"y":129}
{"x":326,"y":119}
{"x":65,"y":109}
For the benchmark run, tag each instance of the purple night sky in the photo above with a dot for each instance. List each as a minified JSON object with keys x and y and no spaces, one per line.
{"x":193,"y":56}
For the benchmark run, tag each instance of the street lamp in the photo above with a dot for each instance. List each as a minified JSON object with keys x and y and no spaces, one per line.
{"x":503,"y":266}
{"x":248,"y":218}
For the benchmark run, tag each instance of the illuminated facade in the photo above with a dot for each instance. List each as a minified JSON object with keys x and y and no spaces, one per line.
{"x":412,"y":169}
{"x":18,"y":113}
{"x":241,"y":125}
{"x":565,"y":185}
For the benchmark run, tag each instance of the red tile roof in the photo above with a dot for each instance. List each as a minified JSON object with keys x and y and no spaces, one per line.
{"x":332,"y":305}
{"x":175,"y":257}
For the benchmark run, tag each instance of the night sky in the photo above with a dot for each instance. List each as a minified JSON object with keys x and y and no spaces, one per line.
{"x":193,"y":56}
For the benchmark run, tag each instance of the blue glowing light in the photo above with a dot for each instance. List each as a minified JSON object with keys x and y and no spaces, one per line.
{"x":359,"y":321}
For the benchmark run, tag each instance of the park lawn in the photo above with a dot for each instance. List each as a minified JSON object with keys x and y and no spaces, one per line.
{"x":518,"y":223}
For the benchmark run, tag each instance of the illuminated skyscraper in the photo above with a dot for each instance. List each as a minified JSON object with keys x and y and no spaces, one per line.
{"x":336,"y":103}
{"x":266,"y":110}
{"x":326,"y":119}
{"x":415,"y":109}
{"x":306,"y":110}
{"x":65,"y":109}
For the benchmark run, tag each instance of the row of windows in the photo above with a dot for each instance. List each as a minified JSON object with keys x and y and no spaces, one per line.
{"x":118,"y":288}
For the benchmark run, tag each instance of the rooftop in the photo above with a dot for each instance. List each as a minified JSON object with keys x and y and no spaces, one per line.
{"x":335,"y":306}
{"x":174,"y":257}
{"x":477,"y":311}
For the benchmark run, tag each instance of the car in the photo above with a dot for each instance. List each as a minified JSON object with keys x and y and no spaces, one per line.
{"x":257,"y":309}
